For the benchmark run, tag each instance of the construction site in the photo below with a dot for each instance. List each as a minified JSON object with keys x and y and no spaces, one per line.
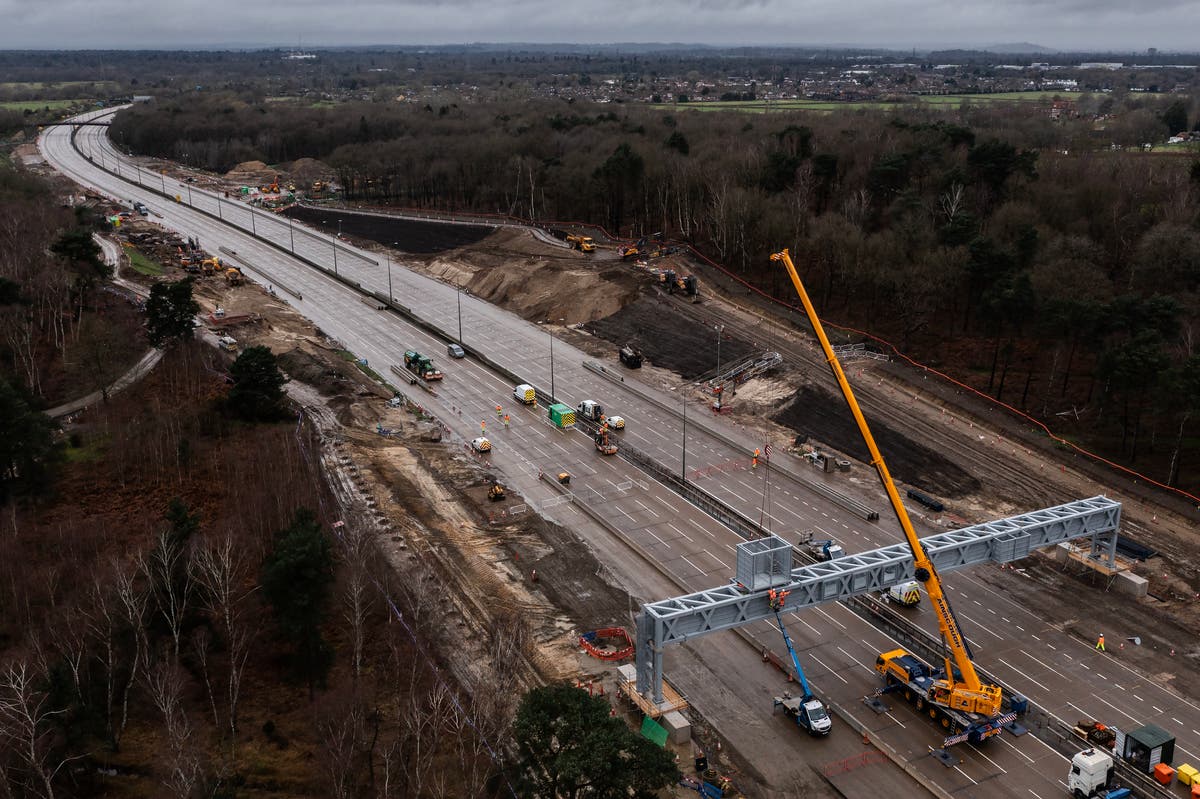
{"x":658,"y":320}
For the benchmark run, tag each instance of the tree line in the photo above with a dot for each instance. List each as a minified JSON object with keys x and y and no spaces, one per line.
{"x":1070,"y":268}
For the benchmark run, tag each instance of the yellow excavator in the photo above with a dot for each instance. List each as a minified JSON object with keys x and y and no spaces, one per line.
{"x":957,"y":698}
{"x":210,"y":266}
{"x":234,"y":276}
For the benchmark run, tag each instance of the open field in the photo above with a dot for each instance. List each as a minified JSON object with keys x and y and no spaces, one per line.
{"x":38,"y":105}
{"x":950,"y":100}
{"x":37,"y":86}
{"x":141,"y":264}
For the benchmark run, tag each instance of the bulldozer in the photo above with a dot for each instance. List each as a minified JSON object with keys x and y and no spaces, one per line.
{"x":496,"y":492}
{"x":234,"y":276}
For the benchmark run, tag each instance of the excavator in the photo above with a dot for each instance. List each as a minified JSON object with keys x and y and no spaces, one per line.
{"x":955,"y":696}
{"x":496,"y":492}
{"x":210,"y":266}
{"x":234,"y":276}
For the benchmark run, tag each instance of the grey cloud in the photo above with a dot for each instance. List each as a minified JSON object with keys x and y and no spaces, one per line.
{"x":1065,"y":24}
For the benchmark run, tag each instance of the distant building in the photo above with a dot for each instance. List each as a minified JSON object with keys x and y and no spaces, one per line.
{"x":1101,"y":65}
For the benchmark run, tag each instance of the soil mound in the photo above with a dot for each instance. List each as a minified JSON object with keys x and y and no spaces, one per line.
{"x":821,"y":416}
{"x":306,"y":171}
{"x":251,"y":173}
{"x":668,"y":338}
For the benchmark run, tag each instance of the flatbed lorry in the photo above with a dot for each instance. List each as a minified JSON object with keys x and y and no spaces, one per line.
{"x":918,"y":682}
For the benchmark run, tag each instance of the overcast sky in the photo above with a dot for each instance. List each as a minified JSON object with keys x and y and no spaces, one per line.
{"x":1059,"y":24}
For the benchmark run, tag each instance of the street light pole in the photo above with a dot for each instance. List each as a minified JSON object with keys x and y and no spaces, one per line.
{"x":720,"y":329}
{"x":683,"y":464}
{"x":551,"y":332}
{"x":292,"y":235}
{"x":388,"y":253}
{"x":458,"y":295}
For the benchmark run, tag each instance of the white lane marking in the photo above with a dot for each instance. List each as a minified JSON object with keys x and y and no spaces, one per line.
{"x":1023,"y":674}
{"x":1114,"y":707}
{"x":693,"y":565}
{"x":1044,"y":663}
{"x":831,"y":618}
{"x":718,"y":560}
{"x":1032,"y":791}
{"x":681,"y":532}
{"x":965,"y":774}
{"x":988,"y":759}
{"x":854,"y":660}
{"x":645,"y":507}
{"x":1007,"y":742}
{"x":831,"y":671}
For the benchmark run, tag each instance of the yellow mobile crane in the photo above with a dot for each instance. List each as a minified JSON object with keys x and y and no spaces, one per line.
{"x":963,"y":704}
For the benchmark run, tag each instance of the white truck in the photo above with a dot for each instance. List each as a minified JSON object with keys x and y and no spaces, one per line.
{"x":1091,"y":774}
{"x":590,"y":409}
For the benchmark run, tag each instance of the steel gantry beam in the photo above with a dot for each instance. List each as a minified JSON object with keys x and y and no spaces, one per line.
{"x":672,"y":621}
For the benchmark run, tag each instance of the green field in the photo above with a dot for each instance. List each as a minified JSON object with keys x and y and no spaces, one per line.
{"x":36,"y":86}
{"x":38,"y":105}
{"x":936,"y":100}
{"x":141,"y":264}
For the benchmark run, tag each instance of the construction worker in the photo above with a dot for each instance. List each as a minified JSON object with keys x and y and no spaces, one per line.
{"x":482,"y":428}
{"x":499,"y":411}
{"x":754,"y":458}
{"x":1100,"y":643}
{"x":506,"y":421}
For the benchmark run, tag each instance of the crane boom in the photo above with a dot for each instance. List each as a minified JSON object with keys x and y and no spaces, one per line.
{"x":964,"y":690}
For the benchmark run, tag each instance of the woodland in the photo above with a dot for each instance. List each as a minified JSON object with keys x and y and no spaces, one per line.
{"x":1051,"y":263}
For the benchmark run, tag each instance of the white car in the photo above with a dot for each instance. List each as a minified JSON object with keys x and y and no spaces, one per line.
{"x":481,"y":444}
{"x":615,"y":422}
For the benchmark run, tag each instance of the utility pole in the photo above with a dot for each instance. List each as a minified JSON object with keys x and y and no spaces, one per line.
{"x":459,"y":298}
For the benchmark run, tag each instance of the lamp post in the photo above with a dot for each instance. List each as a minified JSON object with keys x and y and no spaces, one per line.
{"x":683,"y":463}
{"x":553,"y":398}
{"x":388,"y":253}
{"x":334,"y":243}
{"x":720,"y":330}
{"x":292,"y":235}
{"x":458,"y":296}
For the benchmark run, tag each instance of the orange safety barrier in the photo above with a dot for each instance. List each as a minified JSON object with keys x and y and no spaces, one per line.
{"x":607,"y":651}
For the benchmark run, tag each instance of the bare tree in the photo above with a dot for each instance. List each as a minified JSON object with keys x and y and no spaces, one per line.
{"x":25,"y":725}
{"x":223,"y":570}
{"x":165,"y":683}
{"x":358,"y":554}
{"x":170,"y":572}
{"x":342,"y":734}
{"x":134,"y":604}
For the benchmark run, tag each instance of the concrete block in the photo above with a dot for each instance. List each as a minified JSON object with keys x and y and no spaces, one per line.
{"x":679,"y":729}
{"x":1062,"y":553}
{"x":1132,"y":585}
{"x":628,"y":672}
